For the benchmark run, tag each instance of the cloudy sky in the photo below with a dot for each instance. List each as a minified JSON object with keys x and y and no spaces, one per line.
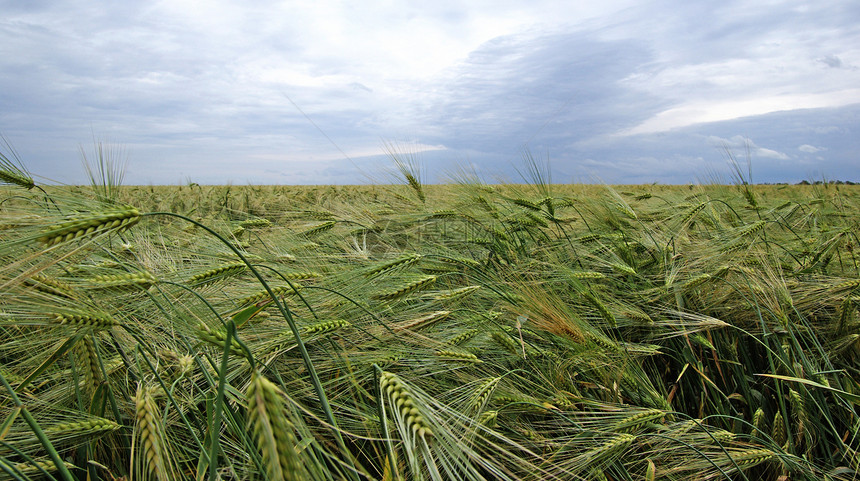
{"x":312,"y":92}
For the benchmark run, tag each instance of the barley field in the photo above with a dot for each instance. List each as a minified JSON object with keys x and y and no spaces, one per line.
{"x":428,"y":332}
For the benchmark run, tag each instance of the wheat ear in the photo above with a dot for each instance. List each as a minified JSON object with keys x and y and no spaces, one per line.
{"x":407,"y":289}
{"x":117,"y":219}
{"x":151,"y":434}
{"x":396,"y":264}
{"x":273,"y":432}
{"x":403,"y":401}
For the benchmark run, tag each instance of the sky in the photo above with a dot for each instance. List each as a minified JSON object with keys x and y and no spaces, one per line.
{"x":322,"y":91}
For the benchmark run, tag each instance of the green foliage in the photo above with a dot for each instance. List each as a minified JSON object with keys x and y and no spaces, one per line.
{"x":529,"y":332}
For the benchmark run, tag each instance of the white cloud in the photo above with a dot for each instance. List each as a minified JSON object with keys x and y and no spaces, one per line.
{"x":692,"y":113}
{"x":747,"y":59}
{"x":829,"y":129}
{"x":732,"y":145}
{"x":810,"y":149}
{"x":772,"y":154}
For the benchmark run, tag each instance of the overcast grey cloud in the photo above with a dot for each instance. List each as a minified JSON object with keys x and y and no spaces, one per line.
{"x":620,"y":91}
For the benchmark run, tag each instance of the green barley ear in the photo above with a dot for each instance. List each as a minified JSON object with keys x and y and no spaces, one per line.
{"x":50,"y":285}
{"x":625,"y":209}
{"x":39,"y":465}
{"x":319,"y":215}
{"x":13,"y":176}
{"x":846,"y":313}
{"x":637,"y":420}
{"x":151,"y":435}
{"x":444,"y":214}
{"x":459,"y":261}
{"x":483,"y":393}
{"x":458,"y":356}
{"x":319,"y":229}
{"x":597,"y":475}
{"x":549,"y":202}
{"x":586,"y":275}
{"x":12,"y":172}
{"x":255,"y":223}
{"x":526,"y":220}
{"x":116,"y":219}
{"x":523,"y":202}
{"x":422,"y":321}
{"x":778,"y":432}
{"x":798,"y":407}
{"x":94,"y":319}
{"x":456,"y":293}
{"x":509,"y":344}
{"x":651,"y":471}
{"x":185,"y":364}
{"x":609,"y":450}
{"x":218,"y":337}
{"x":463,"y":337}
{"x":489,"y":418}
{"x":391,"y":266}
{"x":407,"y":289}
{"x":751,"y":229}
{"x":217,"y":273}
{"x":326,"y":327}
{"x":751,"y":457}
{"x":88,"y":362}
{"x":402,"y":401}
{"x":415,"y":184}
{"x":301,"y":275}
{"x":604,"y":311}
{"x":408,"y":166}
{"x":758,"y":422}
{"x":692,"y":212}
{"x":89,"y":427}
{"x":272,"y":430}
{"x":142,"y":279}
{"x":846,"y":286}
{"x":261,"y":296}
